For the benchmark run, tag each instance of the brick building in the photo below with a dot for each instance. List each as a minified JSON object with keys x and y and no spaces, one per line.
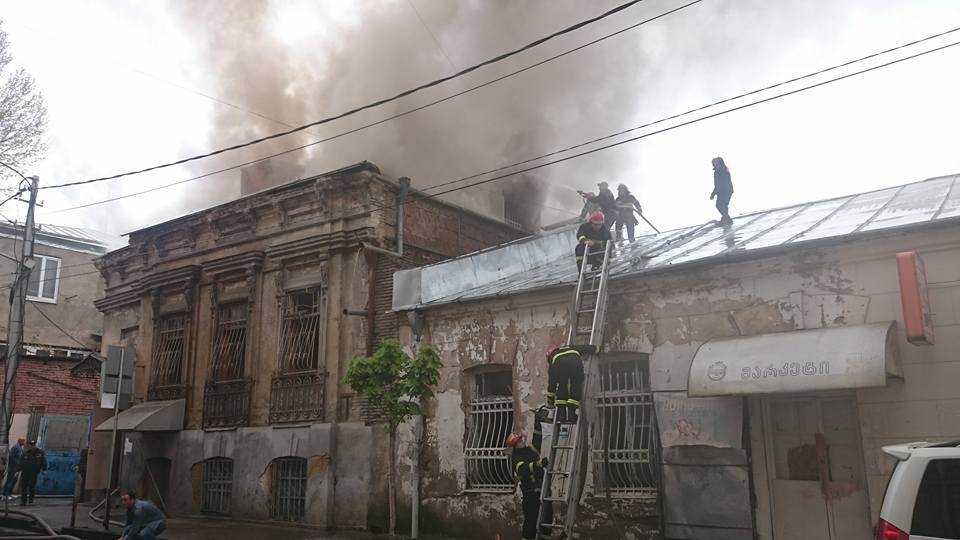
{"x":750,"y":373}
{"x":58,"y":378}
{"x":244,"y":318}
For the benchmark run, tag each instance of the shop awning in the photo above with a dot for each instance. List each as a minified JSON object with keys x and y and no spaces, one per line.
{"x":149,"y":416}
{"x":806,"y":360}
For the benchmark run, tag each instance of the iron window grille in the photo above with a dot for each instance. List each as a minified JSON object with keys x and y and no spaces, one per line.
{"x":624,"y":444}
{"x":300,"y":331}
{"x":296,"y":391}
{"x":169,"y":349}
{"x":230,"y":342}
{"x":289,"y":488}
{"x":217,"y":486}
{"x":44,"y":282}
{"x":490,"y":421}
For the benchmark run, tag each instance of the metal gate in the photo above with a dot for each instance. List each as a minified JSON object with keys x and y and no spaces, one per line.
{"x":62,"y":437}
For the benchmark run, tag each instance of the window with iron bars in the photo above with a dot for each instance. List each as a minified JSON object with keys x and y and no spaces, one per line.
{"x":624,"y":444}
{"x":230,"y":342}
{"x":300,"y":331}
{"x":168,"y":350}
{"x":217,"y":486}
{"x":490,"y":421}
{"x":289,"y":488}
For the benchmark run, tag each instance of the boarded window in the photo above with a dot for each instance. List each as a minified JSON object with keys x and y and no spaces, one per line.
{"x":230,"y":342}
{"x":169,"y":347}
{"x":623,"y":446}
{"x":300,"y":331}
{"x":490,"y":421}
{"x":289,"y":488}
{"x":217,"y":485}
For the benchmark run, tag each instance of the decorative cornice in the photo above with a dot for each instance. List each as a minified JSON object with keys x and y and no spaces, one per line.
{"x":242,"y":263}
{"x":115,"y":300}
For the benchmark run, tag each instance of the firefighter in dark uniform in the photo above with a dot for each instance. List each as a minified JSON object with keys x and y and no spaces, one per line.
{"x":595,"y":235}
{"x":529,"y":468}
{"x":565,"y":381}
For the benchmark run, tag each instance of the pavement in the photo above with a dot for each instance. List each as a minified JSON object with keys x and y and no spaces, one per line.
{"x":56,"y":512}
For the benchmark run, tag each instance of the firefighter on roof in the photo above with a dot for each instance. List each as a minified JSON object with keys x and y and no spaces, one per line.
{"x":594,"y":235}
{"x":529,"y":469}
{"x":565,"y":381}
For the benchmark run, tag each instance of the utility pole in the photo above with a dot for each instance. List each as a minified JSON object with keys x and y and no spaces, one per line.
{"x":18,"y":304}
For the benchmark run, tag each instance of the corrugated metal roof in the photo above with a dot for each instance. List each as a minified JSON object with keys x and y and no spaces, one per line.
{"x":541,"y":261}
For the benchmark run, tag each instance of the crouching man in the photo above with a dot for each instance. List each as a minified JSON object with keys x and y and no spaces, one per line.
{"x":144,"y":520}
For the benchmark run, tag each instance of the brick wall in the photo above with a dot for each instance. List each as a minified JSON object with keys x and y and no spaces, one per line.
{"x":50,"y":384}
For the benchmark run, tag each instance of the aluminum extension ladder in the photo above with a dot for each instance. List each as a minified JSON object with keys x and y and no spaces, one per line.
{"x":564,"y":476}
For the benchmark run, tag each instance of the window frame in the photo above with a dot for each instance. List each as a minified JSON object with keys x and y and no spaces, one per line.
{"x":285,"y":464}
{"x":483,"y":452}
{"x":41,"y":268}
{"x":635,"y":398}
{"x":935,"y":466}
{"x":209,"y":486}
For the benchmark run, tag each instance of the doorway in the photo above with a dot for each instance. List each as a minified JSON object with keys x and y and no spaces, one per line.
{"x":815,"y":469}
{"x":155,"y":482}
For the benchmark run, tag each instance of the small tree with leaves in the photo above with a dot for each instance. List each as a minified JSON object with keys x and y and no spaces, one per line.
{"x":396,"y":384}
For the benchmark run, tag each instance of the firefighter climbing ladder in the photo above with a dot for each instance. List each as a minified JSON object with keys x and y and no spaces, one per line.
{"x":564,"y":474}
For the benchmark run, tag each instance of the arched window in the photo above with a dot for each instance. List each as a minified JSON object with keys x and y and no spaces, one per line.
{"x":289,"y":488}
{"x":489,"y":421}
{"x":217,"y":485}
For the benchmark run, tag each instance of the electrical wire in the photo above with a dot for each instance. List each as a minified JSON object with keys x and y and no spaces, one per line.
{"x":371,"y":105}
{"x":642,"y":126}
{"x":14,"y":170}
{"x":58,"y":327}
{"x":382,"y":121}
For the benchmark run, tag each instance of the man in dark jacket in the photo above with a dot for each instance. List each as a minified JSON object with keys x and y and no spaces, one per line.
{"x":626,"y":205}
{"x":144,"y":520}
{"x":529,"y":468}
{"x":605,"y":200}
{"x":722,"y":189}
{"x":592,"y":235}
{"x":14,"y":458}
{"x":34,"y":462}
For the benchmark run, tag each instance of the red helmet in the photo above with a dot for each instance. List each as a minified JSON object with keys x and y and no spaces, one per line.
{"x":597,"y":217}
{"x":551,"y":349}
{"x":513,"y":440}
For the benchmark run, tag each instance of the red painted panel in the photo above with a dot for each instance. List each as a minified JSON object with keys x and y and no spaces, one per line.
{"x":913,"y":296}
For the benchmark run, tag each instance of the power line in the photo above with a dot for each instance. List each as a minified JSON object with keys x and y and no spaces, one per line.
{"x":649,"y":124}
{"x":60,"y":328}
{"x":387,"y":119}
{"x":433,"y":36}
{"x":14,"y":170}
{"x":371,"y":105}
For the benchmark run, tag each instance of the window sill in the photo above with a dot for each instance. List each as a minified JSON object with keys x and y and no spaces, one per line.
{"x":41,"y":300}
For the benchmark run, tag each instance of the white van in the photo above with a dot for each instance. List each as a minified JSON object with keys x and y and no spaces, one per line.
{"x":922,"y":501}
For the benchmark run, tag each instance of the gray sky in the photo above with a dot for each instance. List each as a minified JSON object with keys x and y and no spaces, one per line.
{"x":132,"y":84}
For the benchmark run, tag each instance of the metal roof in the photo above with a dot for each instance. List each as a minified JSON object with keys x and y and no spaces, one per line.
{"x":71,"y":238}
{"x":542,"y":261}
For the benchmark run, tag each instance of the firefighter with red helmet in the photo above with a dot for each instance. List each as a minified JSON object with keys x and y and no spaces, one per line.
{"x":565,"y":380}
{"x":593,"y":234}
{"x":529,"y":468}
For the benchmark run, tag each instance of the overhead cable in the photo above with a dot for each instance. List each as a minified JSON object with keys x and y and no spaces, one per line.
{"x":635,"y":128}
{"x":384,"y":120}
{"x":371,"y":105}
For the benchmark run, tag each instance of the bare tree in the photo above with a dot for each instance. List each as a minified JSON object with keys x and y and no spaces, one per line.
{"x":23,"y":115}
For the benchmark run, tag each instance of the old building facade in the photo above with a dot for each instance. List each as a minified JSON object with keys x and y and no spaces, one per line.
{"x":245,"y":317}
{"x":751,"y":374}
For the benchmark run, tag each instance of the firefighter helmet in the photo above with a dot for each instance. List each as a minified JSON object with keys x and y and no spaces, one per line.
{"x":597,"y":217}
{"x":513,"y":440}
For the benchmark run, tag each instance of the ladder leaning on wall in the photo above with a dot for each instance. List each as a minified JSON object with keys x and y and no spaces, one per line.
{"x":565,"y":471}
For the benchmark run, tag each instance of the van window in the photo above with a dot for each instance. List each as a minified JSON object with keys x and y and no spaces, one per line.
{"x":937,"y":510}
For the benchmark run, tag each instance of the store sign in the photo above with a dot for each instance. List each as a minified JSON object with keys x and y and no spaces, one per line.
{"x":859,"y":356}
{"x":917,"y":322}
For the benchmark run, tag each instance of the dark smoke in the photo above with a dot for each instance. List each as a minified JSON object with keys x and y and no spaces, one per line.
{"x":388,"y":50}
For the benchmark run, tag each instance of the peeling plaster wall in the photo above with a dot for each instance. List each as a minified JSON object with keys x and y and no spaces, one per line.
{"x":669,"y":314}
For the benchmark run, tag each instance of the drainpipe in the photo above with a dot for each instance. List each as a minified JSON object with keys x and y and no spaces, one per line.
{"x":401,"y":197}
